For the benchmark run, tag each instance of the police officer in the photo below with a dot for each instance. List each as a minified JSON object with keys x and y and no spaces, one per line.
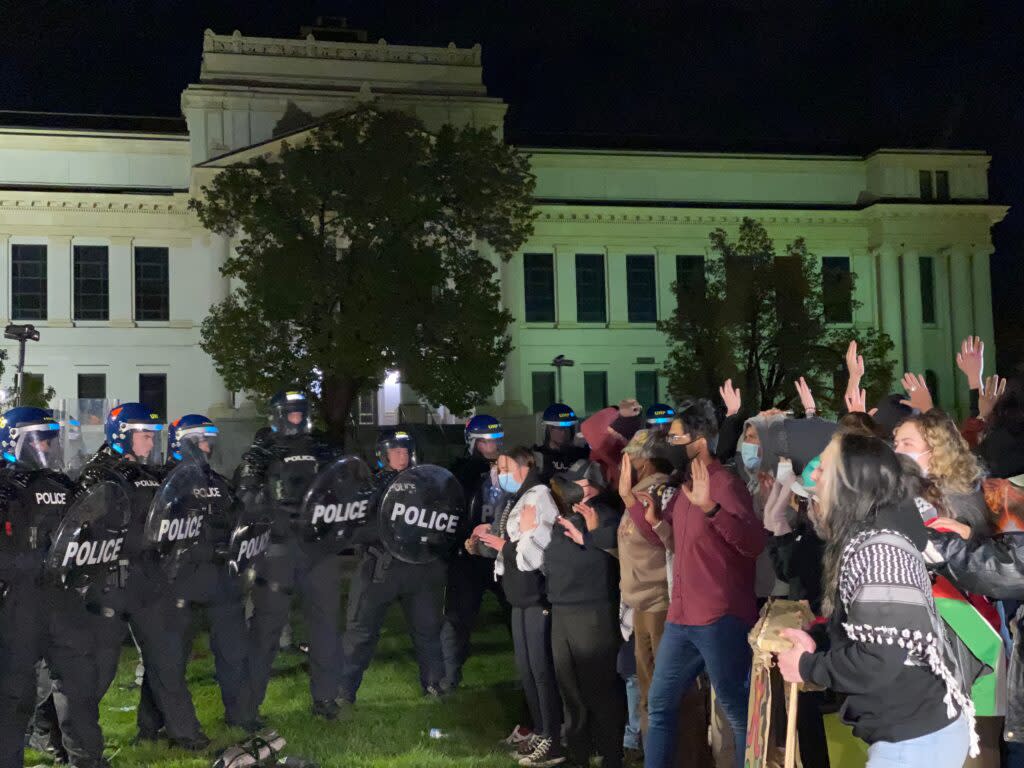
{"x":275,"y":474}
{"x":33,"y":498}
{"x":201,"y":573}
{"x":558,"y":451}
{"x":381,"y":579}
{"x":471,"y":575}
{"x":659,"y":417}
{"x":132,"y":458}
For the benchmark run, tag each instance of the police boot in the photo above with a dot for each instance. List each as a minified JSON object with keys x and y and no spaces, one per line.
{"x":327,"y":709}
{"x":195,"y":744}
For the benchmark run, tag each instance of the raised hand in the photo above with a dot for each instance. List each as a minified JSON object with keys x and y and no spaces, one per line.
{"x":806,"y":396}
{"x":626,"y":481}
{"x":917,"y":393}
{"x":732,"y":398}
{"x":856,"y":401}
{"x":971,"y":360}
{"x":854,"y":366}
{"x":988,"y":394}
{"x":700,"y":492}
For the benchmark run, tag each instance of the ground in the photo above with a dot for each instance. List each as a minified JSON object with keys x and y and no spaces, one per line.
{"x":389,"y":726}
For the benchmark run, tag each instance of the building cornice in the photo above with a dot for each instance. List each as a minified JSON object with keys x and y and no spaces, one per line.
{"x":81,"y":202}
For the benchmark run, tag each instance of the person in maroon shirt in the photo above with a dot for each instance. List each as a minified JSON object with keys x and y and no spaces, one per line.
{"x":717,"y":540}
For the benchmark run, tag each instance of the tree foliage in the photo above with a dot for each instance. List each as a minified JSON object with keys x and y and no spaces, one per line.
{"x":357,"y":255}
{"x":759,"y":318}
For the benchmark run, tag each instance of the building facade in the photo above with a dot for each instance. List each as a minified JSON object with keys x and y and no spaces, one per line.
{"x":99,"y":250}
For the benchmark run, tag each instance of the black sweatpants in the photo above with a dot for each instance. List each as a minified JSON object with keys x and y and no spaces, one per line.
{"x":531,"y":639}
{"x":419,"y":590}
{"x":469,"y":578}
{"x":585,"y":642}
{"x":21,"y":639}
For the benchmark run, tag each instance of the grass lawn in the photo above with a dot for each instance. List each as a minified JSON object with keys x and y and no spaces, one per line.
{"x":389,"y":724}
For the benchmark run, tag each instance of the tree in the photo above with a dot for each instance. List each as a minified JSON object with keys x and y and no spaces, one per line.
{"x":358,"y":256}
{"x":759,"y":318}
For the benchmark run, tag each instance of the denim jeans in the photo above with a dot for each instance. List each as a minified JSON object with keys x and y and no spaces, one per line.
{"x":631,"y":739}
{"x":946,"y":748}
{"x":684,"y":652}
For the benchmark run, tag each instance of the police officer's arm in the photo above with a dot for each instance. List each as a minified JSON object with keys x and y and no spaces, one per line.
{"x":252,"y":473}
{"x":17,"y":561}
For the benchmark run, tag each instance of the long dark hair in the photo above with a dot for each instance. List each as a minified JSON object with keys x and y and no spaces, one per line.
{"x":862,"y":476}
{"x":1008,"y":411}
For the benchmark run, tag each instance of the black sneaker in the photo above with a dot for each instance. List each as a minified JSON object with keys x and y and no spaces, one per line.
{"x":198,"y":743}
{"x":326,"y":708}
{"x":546,"y":753}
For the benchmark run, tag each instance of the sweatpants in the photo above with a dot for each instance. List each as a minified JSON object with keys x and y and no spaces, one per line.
{"x":531,"y":639}
{"x":585,"y":642}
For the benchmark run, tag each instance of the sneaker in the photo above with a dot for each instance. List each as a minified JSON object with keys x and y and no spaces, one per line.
{"x":198,"y":743}
{"x":545,"y":754}
{"x":518,"y":735}
{"x":326,"y":709}
{"x":525,"y":747}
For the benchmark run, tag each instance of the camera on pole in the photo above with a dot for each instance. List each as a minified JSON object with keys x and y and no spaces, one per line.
{"x":21,"y":334}
{"x":559,"y":363}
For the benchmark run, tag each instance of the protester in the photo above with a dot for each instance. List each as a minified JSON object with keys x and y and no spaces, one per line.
{"x":888,"y":652}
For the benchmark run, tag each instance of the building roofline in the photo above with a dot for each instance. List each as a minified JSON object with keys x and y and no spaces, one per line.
{"x":844,"y":157}
{"x":93,"y":124}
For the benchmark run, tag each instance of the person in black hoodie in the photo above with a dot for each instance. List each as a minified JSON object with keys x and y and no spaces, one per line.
{"x":524,"y":534}
{"x":582,"y":585}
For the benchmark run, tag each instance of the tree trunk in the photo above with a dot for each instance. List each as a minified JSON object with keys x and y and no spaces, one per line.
{"x":338,"y":394}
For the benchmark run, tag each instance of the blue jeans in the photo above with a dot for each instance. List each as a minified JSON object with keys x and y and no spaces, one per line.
{"x":946,"y":748}
{"x":631,"y":740}
{"x":684,"y":652}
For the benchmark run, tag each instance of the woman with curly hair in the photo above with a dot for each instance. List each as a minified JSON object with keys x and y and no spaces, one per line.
{"x":933,"y":441}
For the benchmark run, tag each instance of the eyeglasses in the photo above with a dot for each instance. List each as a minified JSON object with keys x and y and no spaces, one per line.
{"x":677,"y":440}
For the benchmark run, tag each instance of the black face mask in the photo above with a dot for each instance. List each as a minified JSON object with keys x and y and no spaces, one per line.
{"x":676,"y":454}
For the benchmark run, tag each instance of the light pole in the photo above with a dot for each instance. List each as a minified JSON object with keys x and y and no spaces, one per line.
{"x":561,"y":362}
{"x":21,"y":334}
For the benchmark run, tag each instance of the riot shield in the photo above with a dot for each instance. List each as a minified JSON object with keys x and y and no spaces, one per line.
{"x":89,"y":541}
{"x":249,"y":542}
{"x":336,"y":504}
{"x":174,"y":523}
{"x":420,"y":513}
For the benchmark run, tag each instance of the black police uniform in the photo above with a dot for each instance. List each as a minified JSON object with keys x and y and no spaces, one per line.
{"x":145,"y":600}
{"x":275,"y":474}
{"x":201,"y":576}
{"x":553,"y":461}
{"x":31,"y":507}
{"x":470,"y":577}
{"x":380,"y":580}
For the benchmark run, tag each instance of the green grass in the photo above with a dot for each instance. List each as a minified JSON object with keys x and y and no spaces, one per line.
{"x":388,"y":726}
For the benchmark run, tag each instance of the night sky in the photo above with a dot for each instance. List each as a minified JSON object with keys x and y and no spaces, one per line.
{"x":725,"y":75}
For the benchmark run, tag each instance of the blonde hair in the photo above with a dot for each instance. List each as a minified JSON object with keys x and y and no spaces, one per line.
{"x":635,"y":446}
{"x":952,"y":466}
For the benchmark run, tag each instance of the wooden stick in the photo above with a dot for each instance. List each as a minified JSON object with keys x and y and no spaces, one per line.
{"x":791,"y":745}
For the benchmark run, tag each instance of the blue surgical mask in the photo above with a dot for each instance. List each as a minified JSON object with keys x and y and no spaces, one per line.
{"x":508,"y":483}
{"x":751,"y":455}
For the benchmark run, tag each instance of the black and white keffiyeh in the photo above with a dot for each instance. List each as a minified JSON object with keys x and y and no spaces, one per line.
{"x":887,"y":596}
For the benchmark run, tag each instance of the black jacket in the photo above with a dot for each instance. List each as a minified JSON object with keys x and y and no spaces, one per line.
{"x":585,"y":574}
{"x":797,"y":558}
{"x":523,"y":589}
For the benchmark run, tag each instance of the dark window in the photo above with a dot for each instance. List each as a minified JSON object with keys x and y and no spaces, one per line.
{"x":647,"y":387}
{"x":837,"y":289}
{"x":92,"y":386}
{"x":539,"y":287}
{"x":153,"y":392}
{"x":91,"y":283}
{"x":690,"y":280}
{"x":543,"y":383}
{"x":641,"y":291}
{"x":925,"y":177}
{"x":595,"y":390}
{"x":590,"y":298}
{"x":366,"y":407}
{"x":151,"y":284}
{"x":28,"y":282}
{"x":942,"y":185}
{"x":926,"y":264}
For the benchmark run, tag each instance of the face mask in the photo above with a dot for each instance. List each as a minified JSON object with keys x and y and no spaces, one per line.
{"x":676,"y":454}
{"x":508,"y":483}
{"x":750,"y":455}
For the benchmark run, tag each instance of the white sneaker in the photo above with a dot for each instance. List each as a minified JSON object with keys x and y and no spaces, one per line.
{"x":547,"y":753}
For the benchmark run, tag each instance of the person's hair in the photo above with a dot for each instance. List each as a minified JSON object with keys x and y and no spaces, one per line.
{"x":952,"y":466}
{"x":1008,"y":411}
{"x":521,"y":455}
{"x":860,"y":423}
{"x":698,"y":419}
{"x":646,"y":444}
{"x":863,"y":477}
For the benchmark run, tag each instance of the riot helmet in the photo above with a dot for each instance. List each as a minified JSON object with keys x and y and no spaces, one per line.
{"x":560,"y":423}
{"x":30,"y":437}
{"x":133,"y":431}
{"x":396,"y":450}
{"x":193,"y":436}
{"x":659,"y":417}
{"x":289,"y":413}
{"x":483,"y":436}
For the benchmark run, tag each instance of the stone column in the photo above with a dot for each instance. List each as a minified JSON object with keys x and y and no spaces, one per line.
{"x":982,"y":282}
{"x":565,"y":285}
{"x":5,"y":277}
{"x":618,"y":296}
{"x":219,"y":250}
{"x":513,"y":379}
{"x":58,"y":281}
{"x":865,"y":291}
{"x":665,"y":273}
{"x":961,"y":314}
{"x":891,"y":301}
{"x":121,"y":271}
{"x":913,"y":349}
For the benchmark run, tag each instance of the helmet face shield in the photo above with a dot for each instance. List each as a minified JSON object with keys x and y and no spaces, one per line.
{"x":145,"y":445}
{"x":289,"y":414}
{"x":197,"y":444}
{"x":39,"y":446}
{"x":397,"y":452}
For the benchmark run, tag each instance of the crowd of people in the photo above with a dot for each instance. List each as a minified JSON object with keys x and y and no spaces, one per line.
{"x":631,"y":553}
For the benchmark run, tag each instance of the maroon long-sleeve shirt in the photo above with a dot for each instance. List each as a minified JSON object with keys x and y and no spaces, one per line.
{"x":713,"y":569}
